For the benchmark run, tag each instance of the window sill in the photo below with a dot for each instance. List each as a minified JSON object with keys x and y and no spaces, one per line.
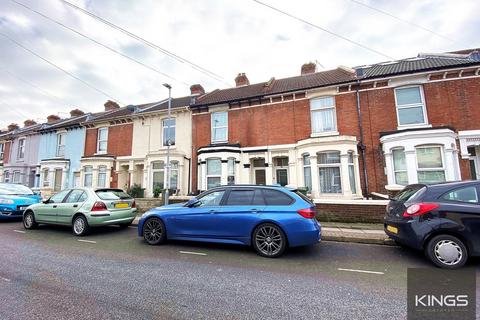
{"x":100,"y":153}
{"x":219,"y":142}
{"x":324,"y":134}
{"x":413,"y":126}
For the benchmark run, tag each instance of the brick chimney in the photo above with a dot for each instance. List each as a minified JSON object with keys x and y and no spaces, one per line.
{"x":12,"y":127}
{"x":241,"y":80}
{"x":309,"y":68}
{"x":28,"y":123}
{"x":52,"y":118}
{"x":196,"y":89}
{"x":111,"y":105}
{"x":76,"y":113}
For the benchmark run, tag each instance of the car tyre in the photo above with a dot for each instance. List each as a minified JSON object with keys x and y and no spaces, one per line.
{"x":154,"y":232}
{"x":269,"y":240}
{"x":80,"y":226}
{"x":447,"y":251}
{"x":29,"y":222}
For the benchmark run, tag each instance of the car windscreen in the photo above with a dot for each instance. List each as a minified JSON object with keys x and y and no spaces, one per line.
{"x":112,"y":194}
{"x":14,"y":189}
{"x":409,"y":193}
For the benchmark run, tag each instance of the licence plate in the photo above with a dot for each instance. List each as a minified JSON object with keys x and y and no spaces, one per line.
{"x":392,"y":229}
{"x":121,"y":205}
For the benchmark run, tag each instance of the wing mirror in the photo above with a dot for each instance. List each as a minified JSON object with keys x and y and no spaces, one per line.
{"x":192,"y":203}
{"x":47,"y":201}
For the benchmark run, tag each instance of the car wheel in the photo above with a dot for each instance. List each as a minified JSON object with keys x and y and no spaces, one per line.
{"x":80,"y":226}
{"x":29,"y":221}
{"x":269,"y":240}
{"x":154,"y":231}
{"x":447,"y":251}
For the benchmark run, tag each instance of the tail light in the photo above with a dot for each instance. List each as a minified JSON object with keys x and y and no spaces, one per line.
{"x":99,"y":206}
{"x":419,"y":209}
{"x":134,"y":204}
{"x":308,"y":213}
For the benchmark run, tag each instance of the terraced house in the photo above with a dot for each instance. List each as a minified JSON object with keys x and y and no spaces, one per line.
{"x":60,"y":150}
{"x":344,"y":133}
{"x":5,"y":142}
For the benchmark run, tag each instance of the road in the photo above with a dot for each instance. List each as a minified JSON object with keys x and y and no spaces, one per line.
{"x":112,"y":274}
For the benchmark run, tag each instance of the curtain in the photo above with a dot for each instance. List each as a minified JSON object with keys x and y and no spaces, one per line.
{"x":330,"y":181}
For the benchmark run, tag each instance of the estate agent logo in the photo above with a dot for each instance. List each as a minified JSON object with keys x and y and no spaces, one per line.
{"x":441,"y":294}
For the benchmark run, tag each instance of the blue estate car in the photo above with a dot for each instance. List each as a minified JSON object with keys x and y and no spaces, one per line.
{"x":267,"y":217}
{"x":14,"y":199}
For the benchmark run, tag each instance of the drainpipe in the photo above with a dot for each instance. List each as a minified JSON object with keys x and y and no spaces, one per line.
{"x":189,"y":173}
{"x":360,"y":127}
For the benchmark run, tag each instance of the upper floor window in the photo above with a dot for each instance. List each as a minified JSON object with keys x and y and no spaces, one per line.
{"x":219,"y":127}
{"x":323,"y":115}
{"x":2,"y":150}
{"x":61,"y":145}
{"x":102,"y":140}
{"x":410,"y":106}
{"x":21,"y":149}
{"x":400,"y":166}
{"x":430,"y":168}
{"x":168,"y":131}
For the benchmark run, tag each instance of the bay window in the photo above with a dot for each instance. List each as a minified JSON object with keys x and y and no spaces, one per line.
{"x":168,"y":131}
{"x":307,"y":172}
{"x":323,"y":115}
{"x":351,"y":173}
{"x":430,"y":167}
{"x":410,"y":106}
{"x":174,"y":175}
{"x":46,"y":177}
{"x":16,"y":176}
{"x":219,"y":127}
{"x":214,"y":173}
{"x":87,"y":176}
{"x":2,"y":150}
{"x":231,"y":171}
{"x":329,"y":172}
{"x":158,"y":175}
{"x":400,"y":166}
{"x":102,"y":140}
{"x":102,"y":177}
{"x":6,"y":177}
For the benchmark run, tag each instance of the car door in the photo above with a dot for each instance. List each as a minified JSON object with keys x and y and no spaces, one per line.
{"x":239,"y":213}
{"x":197,"y":221}
{"x":72,"y":203}
{"x":47,"y":212}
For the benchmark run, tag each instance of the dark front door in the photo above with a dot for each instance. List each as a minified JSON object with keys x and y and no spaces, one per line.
{"x":260,"y":178}
{"x":282,"y":177}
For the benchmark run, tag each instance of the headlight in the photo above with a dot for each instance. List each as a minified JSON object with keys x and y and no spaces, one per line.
{"x":6,"y":201}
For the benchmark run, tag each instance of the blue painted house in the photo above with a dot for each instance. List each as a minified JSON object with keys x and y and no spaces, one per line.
{"x":60,"y":150}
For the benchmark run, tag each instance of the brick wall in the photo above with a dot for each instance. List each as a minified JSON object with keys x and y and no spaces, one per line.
{"x":6,"y":151}
{"x":90,"y":142}
{"x":338,"y":212}
{"x":119,"y":140}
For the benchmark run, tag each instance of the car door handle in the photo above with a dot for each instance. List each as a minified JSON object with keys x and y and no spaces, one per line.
{"x":75,"y":205}
{"x":254,"y":210}
{"x":55,"y":206}
{"x":212,"y":211}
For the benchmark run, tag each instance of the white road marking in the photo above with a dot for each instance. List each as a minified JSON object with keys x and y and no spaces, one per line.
{"x":194,"y":253}
{"x":87,"y":241}
{"x":5,"y":279}
{"x":19,"y":231}
{"x":361,"y":271}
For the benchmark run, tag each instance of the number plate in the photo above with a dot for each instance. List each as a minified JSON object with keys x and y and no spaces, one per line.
{"x":392,"y":229}
{"x":121,"y":205}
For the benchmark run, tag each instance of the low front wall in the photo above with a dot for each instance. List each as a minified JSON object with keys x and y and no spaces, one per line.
{"x":351,"y":211}
{"x":145,"y":204}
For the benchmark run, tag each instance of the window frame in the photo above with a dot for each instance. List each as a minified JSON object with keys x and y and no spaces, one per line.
{"x":304,"y":167}
{"x":6,"y":176}
{"x":60,"y":152}
{"x":2,"y":151}
{"x":414,"y":105}
{"x":21,"y":149}
{"x":319,"y":109}
{"x":165,"y":128}
{"x":212,"y":131}
{"x":85,"y":174}
{"x":231,"y":165}
{"x":18,"y":174}
{"x":393,"y":166}
{"x":351,"y":166}
{"x":213,"y":175}
{"x":103,"y":140}
{"x":160,"y":170}
{"x":102,"y":170}
{"x":46,"y":178}
{"x":330,"y":165}
{"x":442,"y":155}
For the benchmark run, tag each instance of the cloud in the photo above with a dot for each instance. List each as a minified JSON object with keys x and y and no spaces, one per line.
{"x":225,"y":37}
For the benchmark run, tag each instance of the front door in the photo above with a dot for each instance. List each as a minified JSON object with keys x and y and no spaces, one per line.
{"x":260,"y":178}
{"x":47,"y":212}
{"x":282,"y":177}
{"x":58,"y":180}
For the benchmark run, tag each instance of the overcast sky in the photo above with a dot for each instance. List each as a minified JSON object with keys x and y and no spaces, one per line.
{"x":224,"y":37}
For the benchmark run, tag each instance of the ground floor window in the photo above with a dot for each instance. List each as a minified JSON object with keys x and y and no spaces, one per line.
{"x":88,"y":175}
{"x":329,"y":172}
{"x":430,"y":164}
{"x":6,"y":177}
{"x":16,"y":177}
{"x":158,"y":172}
{"x":231,"y":171}
{"x":214,"y":173}
{"x":351,"y":173}
{"x":46,"y":178}
{"x":260,"y":177}
{"x":400,"y":166}
{"x":102,"y":176}
{"x":307,"y":172}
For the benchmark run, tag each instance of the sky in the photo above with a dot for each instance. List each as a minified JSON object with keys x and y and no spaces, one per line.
{"x":223,"y":37}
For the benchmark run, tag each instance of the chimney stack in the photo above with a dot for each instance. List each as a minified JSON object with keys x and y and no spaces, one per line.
{"x":111,"y":105}
{"x":52,"y":118}
{"x":76,"y":113}
{"x":308,"y":68}
{"x":196,"y":89}
{"x":28,"y":123}
{"x":241,"y":80}
{"x":12,"y":127}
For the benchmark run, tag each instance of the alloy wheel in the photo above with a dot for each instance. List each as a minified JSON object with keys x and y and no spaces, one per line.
{"x":153,"y":231}
{"x":79,"y":226}
{"x":269,"y":240}
{"x":28,"y":221}
{"x":448,"y":252}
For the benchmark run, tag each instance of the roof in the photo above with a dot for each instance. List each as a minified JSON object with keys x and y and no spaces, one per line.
{"x":163,"y":105}
{"x":111,"y":114}
{"x":275,"y":86}
{"x":64,"y":123}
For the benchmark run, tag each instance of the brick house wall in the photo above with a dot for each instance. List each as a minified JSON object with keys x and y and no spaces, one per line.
{"x":119,"y":140}
{"x":90,"y":142}
{"x":6,"y":152}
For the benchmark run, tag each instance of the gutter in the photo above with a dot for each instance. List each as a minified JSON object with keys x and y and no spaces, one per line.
{"x":360,"y":127}
{"x":189,"y":173}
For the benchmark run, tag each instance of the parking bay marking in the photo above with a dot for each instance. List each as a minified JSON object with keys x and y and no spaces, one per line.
{"x":87,"y":241}
{"x":5,"y":279}
{"x":19,"y":231}
{"x":361,"y":271}
{"x":194,"y":253}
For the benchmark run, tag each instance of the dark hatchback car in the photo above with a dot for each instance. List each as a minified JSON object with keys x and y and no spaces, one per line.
{"x":441,"y":219}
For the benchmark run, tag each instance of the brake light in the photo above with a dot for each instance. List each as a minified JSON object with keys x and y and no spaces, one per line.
{"x":99,"y":206}
{"x":419,"y":209}
{"x":308,"y":213}
{"x":134,"y":204}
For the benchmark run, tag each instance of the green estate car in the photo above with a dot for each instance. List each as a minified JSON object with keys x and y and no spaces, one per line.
{"x":83,"y":208}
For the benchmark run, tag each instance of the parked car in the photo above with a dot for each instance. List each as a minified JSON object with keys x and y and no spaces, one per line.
{"x":83,"y":208}
{"x":14,"y":199}
{"x":269,"y":218}
{"x":441,"y":219}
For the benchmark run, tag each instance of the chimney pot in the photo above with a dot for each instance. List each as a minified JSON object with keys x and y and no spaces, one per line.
{"x":241,"y":80}
{"x":111,"y":105}
{"x":308,"y":68}
{"x":196,"y":89}
{"x":28,"y":123}
{"x":12,"y":127}
{"x":52,"y":118}
{"x":76,"y":113}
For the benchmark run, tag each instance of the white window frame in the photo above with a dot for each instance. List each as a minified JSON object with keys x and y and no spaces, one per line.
{"x":318,"y":110}
{"x":219,"y":127}
{"x":102,"y":170}
{"x":21,"y":149}
{"x":231,"y":170}
{"x":61,"y":144}
{"x":330,"y":165}
{"x":305,"y":166}
{"x":2,"y":151}
{"x":213,"y":175}
{"x":46,"y":178}
{"x":165,"y":128}
{"x":351,"y":167}
{"x":393,"y":165}
{"x":414,"y":105}
{"x":16,"y":174}
{"x":442,"y":154}
{"x":105,"y":140}
{"x":6,"y":176}
{"x":85,"y":174}
{"x":174,"y":167}
{"x":164,"y":170}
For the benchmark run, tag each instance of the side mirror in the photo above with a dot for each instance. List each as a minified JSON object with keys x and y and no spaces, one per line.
{"x":46,"y":201}
{"x":192,"y":203}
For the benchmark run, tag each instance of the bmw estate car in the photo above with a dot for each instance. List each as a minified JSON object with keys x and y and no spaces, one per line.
{"x":14,"y":199}
{"x":83,"y":208}
{"x":441,"y":219}
{"x":268,"y":218}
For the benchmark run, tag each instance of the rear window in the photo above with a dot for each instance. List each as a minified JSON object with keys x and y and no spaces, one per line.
{"x":409,"y":193}
{"x":245,"y":197}
{"x":276,"y":198}
{"x":304,"y":197}
{"x":112,"y":194}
